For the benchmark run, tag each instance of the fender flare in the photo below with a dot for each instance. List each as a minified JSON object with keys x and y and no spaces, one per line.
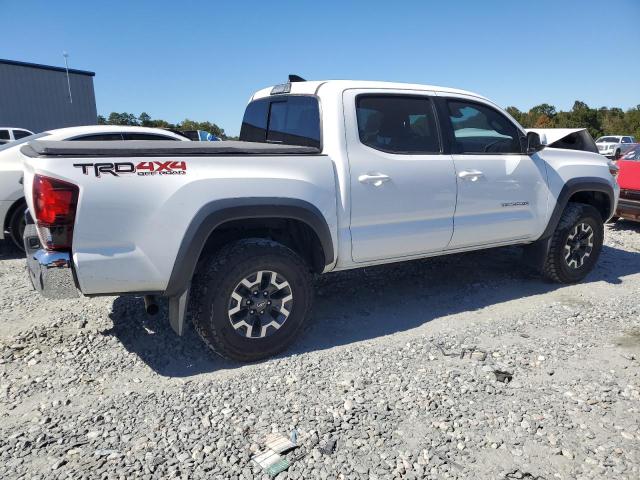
{"x":536,"y":252}
{"x":573,"y":186}
{"x":215,"y":213}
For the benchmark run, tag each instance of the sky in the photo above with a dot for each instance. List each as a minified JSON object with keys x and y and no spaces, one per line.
{"x":203,"y":60}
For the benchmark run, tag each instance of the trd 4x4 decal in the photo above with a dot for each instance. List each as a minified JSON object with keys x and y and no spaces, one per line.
{"x":116,"y":169}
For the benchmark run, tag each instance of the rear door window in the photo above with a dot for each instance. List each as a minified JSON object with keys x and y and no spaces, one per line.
{"x":286,"y":119}
{"x":4,"y":135}
{"x":18,"y":134}
{"x":397,"y":124}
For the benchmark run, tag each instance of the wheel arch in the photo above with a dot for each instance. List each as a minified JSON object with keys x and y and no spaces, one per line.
{"x":253,"y":214}
{"x":12,"y":209}
{"x":593,"y":191}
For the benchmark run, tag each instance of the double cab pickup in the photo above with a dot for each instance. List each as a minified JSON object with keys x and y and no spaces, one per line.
{"x":327,"y":176}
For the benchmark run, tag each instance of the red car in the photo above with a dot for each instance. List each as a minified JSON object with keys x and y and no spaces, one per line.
{"x":629,"y":181}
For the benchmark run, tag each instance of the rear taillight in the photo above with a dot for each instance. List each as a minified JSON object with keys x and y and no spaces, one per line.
{"x":54,"y":204}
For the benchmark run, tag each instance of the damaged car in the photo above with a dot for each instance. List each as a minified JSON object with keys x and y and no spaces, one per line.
{"x":568,"y":138}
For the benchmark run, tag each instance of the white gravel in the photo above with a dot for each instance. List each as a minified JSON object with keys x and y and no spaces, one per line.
{"x":92,"y":388}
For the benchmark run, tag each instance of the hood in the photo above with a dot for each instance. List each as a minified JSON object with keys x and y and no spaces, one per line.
{"x":568,"y":138}
{"x":555,"y":134}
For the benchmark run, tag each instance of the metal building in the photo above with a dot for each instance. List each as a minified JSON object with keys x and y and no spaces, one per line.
{"x":36,"y":97}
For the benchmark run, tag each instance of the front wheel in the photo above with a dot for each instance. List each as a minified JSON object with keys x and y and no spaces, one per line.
{"x":575,"y":245}
{"x":251,"y":299}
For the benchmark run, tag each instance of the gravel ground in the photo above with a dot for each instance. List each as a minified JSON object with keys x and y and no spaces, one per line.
{"x":397,"y":367}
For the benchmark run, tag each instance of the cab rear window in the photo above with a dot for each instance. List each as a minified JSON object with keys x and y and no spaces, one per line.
{"x":285,"y":119}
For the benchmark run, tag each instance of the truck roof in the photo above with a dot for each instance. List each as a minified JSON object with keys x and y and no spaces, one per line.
{"x":67,"y":132}
{"x":312,"y":87}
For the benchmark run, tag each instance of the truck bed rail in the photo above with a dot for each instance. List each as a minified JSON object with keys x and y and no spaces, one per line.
{"x":159,"y":148}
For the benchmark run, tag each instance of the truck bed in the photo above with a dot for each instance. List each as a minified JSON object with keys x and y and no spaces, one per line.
{"x":130,"y":225}
{"x":159,"y":148}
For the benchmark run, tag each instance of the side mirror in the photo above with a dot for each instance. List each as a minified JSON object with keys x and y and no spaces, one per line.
{"x":535,"y":142}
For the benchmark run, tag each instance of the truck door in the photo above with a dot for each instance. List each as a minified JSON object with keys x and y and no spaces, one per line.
{"x":403,"y":188}
{"x":502,"y":193}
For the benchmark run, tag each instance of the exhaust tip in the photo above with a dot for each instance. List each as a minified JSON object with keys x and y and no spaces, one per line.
{"x":150,"y":305}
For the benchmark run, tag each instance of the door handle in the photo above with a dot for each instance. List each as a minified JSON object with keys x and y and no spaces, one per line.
{"x":472,"y":175}
{"x":376,"y":179}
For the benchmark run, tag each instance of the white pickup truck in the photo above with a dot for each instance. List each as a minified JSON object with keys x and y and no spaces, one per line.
{"x":328,"y":175}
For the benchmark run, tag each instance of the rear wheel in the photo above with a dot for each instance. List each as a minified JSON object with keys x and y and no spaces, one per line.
{"x":576,"y":244}
{"x":17,"y":224}
{"x":251,"y":299}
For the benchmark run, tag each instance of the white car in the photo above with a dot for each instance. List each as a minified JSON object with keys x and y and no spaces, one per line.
{"x":611,"y":146}
{"x":327,"y":176}
{"x":10,"y":134}
{"x":12,"y":203}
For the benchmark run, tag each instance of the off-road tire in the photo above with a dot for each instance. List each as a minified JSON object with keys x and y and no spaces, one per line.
{"x":16,"y":226}
{"x":555,"y":266}
{"x":215,"y":280}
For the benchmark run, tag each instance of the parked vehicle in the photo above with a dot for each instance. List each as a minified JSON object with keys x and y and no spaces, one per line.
{"x":200,"y":136}
{"x":626,"y":148}
{"x":328,"y":176}
{"x":12,"y":203}
{"x":629,"y":181}
{"x":611,"y":146}
{"x":9,"y":134}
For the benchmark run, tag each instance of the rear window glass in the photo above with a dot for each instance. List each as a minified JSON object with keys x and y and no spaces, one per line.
{"x":146,"y":136}
{"x":98,"y":137}
{"x":286,"y":119}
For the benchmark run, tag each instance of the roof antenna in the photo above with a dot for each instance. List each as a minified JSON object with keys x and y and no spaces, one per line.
{"x":296,"y":78}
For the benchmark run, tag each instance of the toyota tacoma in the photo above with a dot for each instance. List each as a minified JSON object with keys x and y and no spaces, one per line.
{"x":327,"y":176}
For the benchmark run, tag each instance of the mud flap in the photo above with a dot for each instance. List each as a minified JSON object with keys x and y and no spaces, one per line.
{"x":178,"y":311}
{"x":535,"y":254}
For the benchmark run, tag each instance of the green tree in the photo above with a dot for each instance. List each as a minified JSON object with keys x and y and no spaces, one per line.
{"x":144,"y":119}
{"x":187,"y":124}
{"x":519,"y":116}
{"x":123,"y":118}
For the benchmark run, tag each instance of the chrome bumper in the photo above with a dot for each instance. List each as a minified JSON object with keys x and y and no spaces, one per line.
{"x":51,"y":273}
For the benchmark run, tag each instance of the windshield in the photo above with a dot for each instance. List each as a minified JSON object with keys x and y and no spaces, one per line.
{"x":23,"y":140}
{"x":608,"y":140}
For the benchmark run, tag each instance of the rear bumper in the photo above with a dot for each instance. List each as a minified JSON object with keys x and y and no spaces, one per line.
{"x":51,"y":273}
{"x":629,"y":209}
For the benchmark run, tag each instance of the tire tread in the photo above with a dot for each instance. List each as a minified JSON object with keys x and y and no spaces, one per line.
{"x":212,"y":267}
{"x":570,"y":216}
